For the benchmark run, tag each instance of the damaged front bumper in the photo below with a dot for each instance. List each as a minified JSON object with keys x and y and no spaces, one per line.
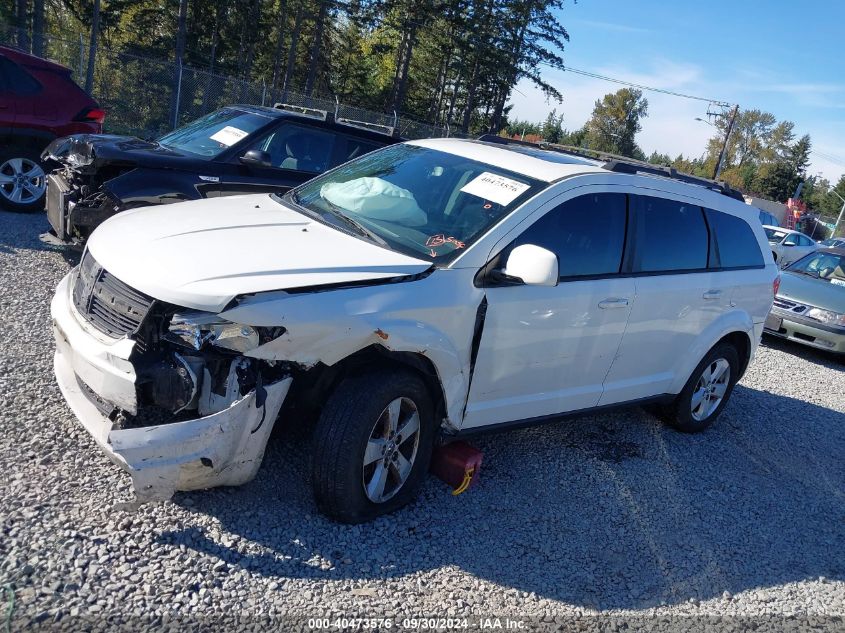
{"x":74,"y":210}
{"x":222,"y":449}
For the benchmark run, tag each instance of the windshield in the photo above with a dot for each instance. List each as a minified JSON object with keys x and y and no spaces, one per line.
{"x":423,"y":202}
{"x":825,"y":266}
{"x":774,"y":235}
{"x":212,"y":134}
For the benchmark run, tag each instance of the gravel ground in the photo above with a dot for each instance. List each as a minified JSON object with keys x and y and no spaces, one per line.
{"x":613,"y":514}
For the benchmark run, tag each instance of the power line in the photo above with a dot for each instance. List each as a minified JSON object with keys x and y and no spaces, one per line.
{"x":836,"y":160}
{"x":587,"y":73}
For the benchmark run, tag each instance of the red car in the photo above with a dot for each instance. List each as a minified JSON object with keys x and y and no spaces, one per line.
{"x":38,"y":103}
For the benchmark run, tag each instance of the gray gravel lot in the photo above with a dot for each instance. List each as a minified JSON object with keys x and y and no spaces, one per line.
{"x":612,"y":514}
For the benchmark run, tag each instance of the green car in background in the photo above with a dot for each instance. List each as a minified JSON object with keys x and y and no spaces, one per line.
{"x":810,"y":305}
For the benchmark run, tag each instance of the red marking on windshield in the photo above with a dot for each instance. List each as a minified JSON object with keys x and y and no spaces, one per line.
{"x":439,"y":240}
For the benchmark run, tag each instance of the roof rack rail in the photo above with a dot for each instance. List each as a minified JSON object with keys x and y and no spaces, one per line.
{"x":623,"y":164}
{"x":314,"y":113}
{"x":387,"y":130}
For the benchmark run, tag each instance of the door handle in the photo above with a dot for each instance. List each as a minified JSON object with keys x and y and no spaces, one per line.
{"x":712,"y":294}
{"x":608,"y":304}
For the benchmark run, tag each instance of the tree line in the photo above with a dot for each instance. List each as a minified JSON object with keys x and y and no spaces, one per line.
{"x":445,"y":62}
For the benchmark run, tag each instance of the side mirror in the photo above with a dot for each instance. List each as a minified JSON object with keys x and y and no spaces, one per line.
{"x":533,"y":265}
{"x":257,"y":158}
{"x":789,"y":243}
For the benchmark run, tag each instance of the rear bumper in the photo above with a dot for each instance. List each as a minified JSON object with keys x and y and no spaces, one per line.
{"x":94,"y":375}
{"x":820,"y":337}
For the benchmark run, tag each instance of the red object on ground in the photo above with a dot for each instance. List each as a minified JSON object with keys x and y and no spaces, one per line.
{"x":457,"y":464}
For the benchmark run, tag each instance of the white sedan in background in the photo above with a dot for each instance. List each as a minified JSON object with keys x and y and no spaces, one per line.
{"x":788,"y":246}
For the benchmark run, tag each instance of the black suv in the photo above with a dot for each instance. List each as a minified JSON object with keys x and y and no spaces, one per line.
{"x":236,"y":150}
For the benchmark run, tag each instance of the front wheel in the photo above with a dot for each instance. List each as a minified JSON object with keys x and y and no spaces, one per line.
{"x":23,"y":182}
{"x":706,"y":392}
{"x":372,"y":445}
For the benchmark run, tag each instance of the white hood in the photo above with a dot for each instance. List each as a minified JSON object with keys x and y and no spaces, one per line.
{"x":202,"y":254}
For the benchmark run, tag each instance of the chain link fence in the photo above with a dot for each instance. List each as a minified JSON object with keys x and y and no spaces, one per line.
{"x":147,"y":97}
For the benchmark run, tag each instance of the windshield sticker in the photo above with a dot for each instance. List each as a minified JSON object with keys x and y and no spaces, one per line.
{"x":228,"y":135}
{"x":436,"y":241}
{"x":496,"y":188}
{"x":837,"y":282}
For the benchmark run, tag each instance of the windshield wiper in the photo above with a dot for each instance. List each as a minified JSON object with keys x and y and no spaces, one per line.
{"x":363,"y":230}
{"x":337,"y":212}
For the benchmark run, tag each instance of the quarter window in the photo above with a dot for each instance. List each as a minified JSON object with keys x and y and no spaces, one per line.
{"x":670,"y":235}
{"x":16,"y":79}
{"x":734,"y":241}
{"x":586,"y":233}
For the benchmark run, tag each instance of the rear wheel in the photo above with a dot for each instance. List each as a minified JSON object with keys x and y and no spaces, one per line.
{"x":23,"y":182}
{"x":372,"y":445}
{"x":706,"y":392}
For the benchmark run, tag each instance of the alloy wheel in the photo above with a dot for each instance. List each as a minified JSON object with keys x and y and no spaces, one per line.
{"x":22,"y":180}
{"x":391,"y":450}
{"x":710,"y":389}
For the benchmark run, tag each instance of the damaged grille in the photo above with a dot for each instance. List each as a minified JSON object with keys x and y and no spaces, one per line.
{"x":789,"y":306}
{"x":106,"y":302}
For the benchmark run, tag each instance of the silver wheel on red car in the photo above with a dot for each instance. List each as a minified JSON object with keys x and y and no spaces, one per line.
{"x":710,"y":390}
{"x":391,"y":450}
{"x":22,"y":183}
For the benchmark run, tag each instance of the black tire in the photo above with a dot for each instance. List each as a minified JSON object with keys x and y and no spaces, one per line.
{"x":679,"y":414}
{"x":28,"y":157}
{"x":347,"y":421}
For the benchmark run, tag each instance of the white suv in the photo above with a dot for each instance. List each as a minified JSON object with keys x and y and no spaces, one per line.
{"x":420,"y":293}
{"x":788,"y":246}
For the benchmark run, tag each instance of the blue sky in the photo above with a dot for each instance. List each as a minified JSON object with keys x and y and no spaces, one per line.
{"x":785,"y":57}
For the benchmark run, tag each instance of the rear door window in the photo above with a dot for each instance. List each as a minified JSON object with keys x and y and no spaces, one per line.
{"x":670,"y":235}
{"x":299,"y":148}
{"x":586,"y":233}
{"x":734,"y":241}
{"x":350,"y":148}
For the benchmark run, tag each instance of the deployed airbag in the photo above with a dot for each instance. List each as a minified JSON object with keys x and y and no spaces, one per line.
{"x":375,"y":199}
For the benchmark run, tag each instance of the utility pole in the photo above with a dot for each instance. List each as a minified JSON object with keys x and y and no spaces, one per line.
{"x":721,"y":160}
{"x":841,"y":212}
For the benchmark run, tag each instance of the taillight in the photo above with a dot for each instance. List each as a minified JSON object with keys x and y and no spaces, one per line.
{"x":92,"y":115}
{"x":776,"y":286}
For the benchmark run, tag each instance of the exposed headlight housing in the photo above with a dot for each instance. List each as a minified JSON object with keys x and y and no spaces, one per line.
{"x":195,"y":329}
{"x":826,"y":316}
{"x":80,"y":153}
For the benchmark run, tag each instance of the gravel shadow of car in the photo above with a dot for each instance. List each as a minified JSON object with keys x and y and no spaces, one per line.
{"x":611,"y":511}
{"x":21,"y":231}
{"x":811,"y":354}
